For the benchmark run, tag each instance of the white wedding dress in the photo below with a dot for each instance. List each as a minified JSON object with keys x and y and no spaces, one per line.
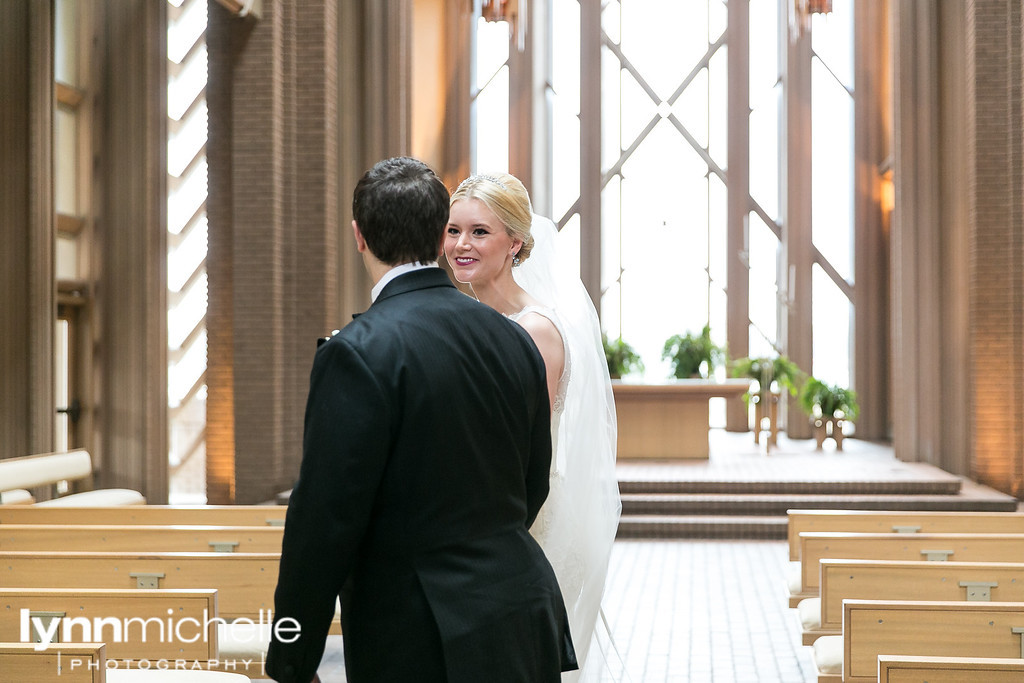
{"x":577,"y":524}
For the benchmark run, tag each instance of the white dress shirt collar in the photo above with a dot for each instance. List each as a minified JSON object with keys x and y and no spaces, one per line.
{"x":401,"y":269}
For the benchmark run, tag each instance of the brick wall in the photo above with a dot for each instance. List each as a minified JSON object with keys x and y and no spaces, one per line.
{"x":997,"y":241}
{"x":273,"y":237}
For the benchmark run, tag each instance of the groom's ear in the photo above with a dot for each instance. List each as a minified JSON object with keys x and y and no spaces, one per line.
{"x":360,"y":240}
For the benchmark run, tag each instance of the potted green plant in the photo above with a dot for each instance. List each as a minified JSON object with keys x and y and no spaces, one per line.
{"x":779,"y":370}
{"x":692,"y":355}
{"x":621,"y":357}
{"x":819,"y":399}
{"x":829,"y":406}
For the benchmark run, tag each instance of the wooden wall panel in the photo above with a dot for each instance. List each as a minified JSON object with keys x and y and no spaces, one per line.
{"x":132,"y":233}
{"x":27,"y":295}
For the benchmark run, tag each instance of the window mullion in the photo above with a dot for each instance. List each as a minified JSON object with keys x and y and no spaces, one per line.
{"x":738,"y":198}
{"x":590,"y":149}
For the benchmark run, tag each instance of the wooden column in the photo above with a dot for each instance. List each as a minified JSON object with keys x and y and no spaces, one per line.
{"x":353,"y":283}
{"x":795,"y":320}
{"x":954,"y":177}
{"x":27,"y":294}
{"x":374,"y":112}
{"x":132,"y":243}
{"x":916,"y":238}
{"x":457,"y":59}
{"x":872,"y":157}
{"x":929,"y":236}
{"x":521,"y":93}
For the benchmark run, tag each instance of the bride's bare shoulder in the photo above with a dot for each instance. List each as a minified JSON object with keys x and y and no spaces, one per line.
{"x":545,"y":335}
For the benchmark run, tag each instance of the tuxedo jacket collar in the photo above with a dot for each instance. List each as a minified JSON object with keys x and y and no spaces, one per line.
{"x":424,"y":278}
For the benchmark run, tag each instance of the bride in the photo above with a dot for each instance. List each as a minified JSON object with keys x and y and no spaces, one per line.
{"x":510,"y":258}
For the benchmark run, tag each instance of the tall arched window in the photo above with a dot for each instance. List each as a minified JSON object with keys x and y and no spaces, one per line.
{"x":832,"y":164}
{"x":663,"y":85}
{"x":187,"y":248}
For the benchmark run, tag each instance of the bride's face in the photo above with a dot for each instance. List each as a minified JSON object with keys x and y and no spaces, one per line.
{"x":477,"y":246}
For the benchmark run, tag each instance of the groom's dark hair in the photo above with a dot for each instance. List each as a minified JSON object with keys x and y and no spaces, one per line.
{"x":401,"y":208}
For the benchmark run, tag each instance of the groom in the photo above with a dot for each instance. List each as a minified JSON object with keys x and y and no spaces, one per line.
{"x":425,"y":460}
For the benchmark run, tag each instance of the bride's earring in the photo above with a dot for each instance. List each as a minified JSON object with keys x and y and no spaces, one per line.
{"x":516,"y":260}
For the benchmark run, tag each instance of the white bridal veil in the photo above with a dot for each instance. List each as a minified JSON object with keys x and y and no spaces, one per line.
{"x":588,"y":508}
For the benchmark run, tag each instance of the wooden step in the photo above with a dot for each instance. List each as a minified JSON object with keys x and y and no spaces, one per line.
{"x":750,"y":504}
{"x":939,"y":486}
{"x":702,"y":526}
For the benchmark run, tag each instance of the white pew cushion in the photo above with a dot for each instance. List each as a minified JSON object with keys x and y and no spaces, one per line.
{"x":809,"y":610}
{"x":98,"y":498}
{"x":828,"y":654}
{"x":38,"y":470}
{"x":16,"y":497}
{"x":794,"y":578}
{"x":171,"y":676}
{"x":242,"y":641}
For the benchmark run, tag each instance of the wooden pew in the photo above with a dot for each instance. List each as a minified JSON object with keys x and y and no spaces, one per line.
{"x":889,"y":580}
{"x":883,"y":522}
{"x":210,"y":515}
{"x":78,"y":663}
{"x":921,"y":669}
{"x":87,"y":663}
{"x":126,"y":639}
{"x":877,"y":627}
{"x":49,"y":469}
{"x":245,"y":581}
{"x":815,"y":547}
{"x":140,"y":627}
{"x":140,"y":538}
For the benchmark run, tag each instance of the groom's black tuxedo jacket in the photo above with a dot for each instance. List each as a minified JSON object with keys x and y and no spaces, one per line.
{"x":425,"y":460}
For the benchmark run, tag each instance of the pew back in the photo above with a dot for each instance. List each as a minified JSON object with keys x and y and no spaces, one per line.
{"x":883,"y":522}
{"x":245,"y":581}
{"x":140,"y":538}
{"x":905,"y":547}
{"x":153,"y":625}
{"x":896,"y":669}
{"x":970,"y":629}
{"x":210,"y":515}
{"x":888,"y":580}
{"x":78,"y":663}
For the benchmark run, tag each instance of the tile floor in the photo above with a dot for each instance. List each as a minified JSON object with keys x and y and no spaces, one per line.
{"x":704,"y":611}
{"x":694,"y":611}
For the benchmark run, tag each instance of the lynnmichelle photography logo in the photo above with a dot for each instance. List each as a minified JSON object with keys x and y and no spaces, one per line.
{"x":69,"y":664}
{"x":44,"y":631}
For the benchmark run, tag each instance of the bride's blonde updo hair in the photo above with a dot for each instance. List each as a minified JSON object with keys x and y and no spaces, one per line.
{"x":505,"y":195}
